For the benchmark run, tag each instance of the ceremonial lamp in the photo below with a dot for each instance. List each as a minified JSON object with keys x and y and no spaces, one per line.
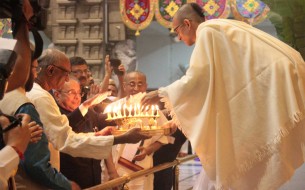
{"x":134,"y":115}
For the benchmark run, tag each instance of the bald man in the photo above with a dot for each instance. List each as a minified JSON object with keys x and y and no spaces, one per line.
{"x":241,"y":103}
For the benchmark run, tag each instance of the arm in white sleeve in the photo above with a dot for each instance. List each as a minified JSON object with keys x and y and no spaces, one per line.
{"x":9,"y":161}
{"x":61,"y":135}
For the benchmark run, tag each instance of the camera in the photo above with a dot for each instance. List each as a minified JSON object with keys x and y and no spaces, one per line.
{"x":85,"y":89}
{"x":115,"y":63}
{"x":13,"y":9}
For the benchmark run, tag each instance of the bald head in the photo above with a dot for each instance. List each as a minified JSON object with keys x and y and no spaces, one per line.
{"x":135,"y":82}
{"x":190,"y":11}
{"x":52,"y":57}
{"x":132,"y":74}
{"x":186,"y":21}
{"x":55,"y":69}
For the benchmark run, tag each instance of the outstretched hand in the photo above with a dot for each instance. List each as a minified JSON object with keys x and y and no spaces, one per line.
{"x":150,"y":98}
{"x":141,"y":155}
{"x":96,"y":99}
{"x":105,"y":131}
{"x":94,"y":90}
{"x":133,"y":135}
{"x":171,"y":126}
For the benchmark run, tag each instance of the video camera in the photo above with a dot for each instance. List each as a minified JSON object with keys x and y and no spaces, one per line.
{"x":13,"y":9}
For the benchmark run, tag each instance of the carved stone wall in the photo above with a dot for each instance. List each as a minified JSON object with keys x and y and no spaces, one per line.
{"x":77,"y":28}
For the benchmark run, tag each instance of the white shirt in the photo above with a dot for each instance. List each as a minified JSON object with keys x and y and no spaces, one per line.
{"x":61,"y":135}
{"x":9,"y":161}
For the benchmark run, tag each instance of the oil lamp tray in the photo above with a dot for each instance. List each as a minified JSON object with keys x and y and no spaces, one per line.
{"x":150,"y":132}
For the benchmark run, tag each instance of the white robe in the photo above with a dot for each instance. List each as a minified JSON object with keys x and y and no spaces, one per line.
{"x":241,"y":105}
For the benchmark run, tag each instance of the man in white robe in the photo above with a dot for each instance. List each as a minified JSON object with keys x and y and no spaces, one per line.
{"x":241,"y":103}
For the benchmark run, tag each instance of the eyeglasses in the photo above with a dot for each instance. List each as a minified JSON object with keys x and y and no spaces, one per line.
{"x":175,"y":29}
{"x":79,"y":72}
{"x":62,"y":69}
{"x":180,"y":25}
{"x":73,"y":92}
{"x":37,"y":68}
{"x":133,"y":84}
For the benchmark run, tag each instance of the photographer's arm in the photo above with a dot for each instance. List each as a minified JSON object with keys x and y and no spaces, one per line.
{"x":22,"y":66}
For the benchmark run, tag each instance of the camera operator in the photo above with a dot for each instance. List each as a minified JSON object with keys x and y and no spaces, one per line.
{"x":22,"y":66}
{"x":15,"y":132}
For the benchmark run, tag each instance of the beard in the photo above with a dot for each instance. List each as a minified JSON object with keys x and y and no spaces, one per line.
{"x":29,"y":83}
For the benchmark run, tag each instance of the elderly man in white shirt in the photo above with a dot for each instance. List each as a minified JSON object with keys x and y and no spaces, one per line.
{"x":55,"y":69}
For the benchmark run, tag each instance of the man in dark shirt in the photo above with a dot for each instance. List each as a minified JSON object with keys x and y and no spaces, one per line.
{"x":85,"y":171}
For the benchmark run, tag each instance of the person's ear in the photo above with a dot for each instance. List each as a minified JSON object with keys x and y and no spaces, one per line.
{"x":187,"y":22}
{"x":50,"y":70}
{"x":56,"y":95}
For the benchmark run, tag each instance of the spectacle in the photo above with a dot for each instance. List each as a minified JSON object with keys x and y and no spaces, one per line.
{"x":62,"y":69}
{"x":175,"y":29}
{"x":79,"y":72}
{"x":180,"y":25}
{"x":73,"y":92}
{"x":37,"y":68}
{"x":132,"y":84}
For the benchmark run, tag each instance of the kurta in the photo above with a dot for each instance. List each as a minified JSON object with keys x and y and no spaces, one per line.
{"x":241,"y":104}
{"x":60,"y":134}
{"x":9,"y":160}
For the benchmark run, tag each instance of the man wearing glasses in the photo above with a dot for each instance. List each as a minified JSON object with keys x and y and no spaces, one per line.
{"x":55,"y":72}
{"x":241,"y":102}
{"x":85,"y":171}
{"x":35,"y":172}
{"x":80,"y":70}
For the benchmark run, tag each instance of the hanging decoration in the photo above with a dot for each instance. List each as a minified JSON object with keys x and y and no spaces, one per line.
{"x":165,"y":11}
{"x":137,"y":14}
{"x":5,"y":26}
{"x":2,"y":25}
{"x":214,"y":8}
{"x":249,"y":11}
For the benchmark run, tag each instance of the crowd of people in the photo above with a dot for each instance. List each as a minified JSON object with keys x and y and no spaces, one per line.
{"x":242,"y":111}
